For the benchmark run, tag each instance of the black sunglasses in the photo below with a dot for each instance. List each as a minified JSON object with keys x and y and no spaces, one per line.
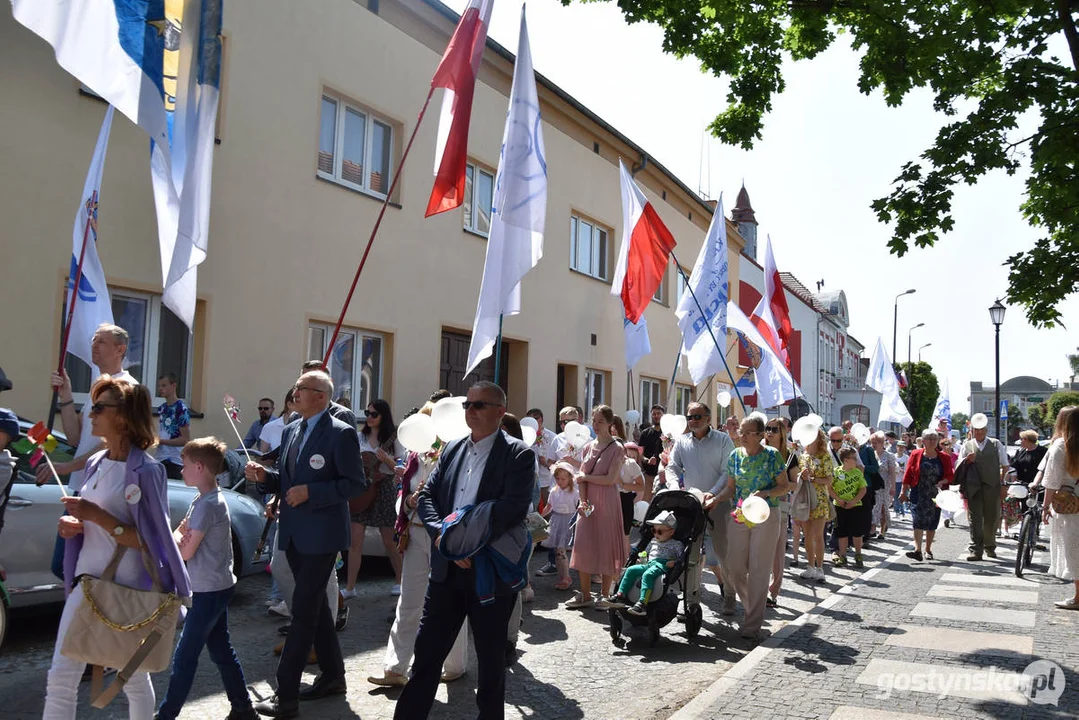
{"x":266,"y":409}
{"x":371,"y":413}
{"x":99,"y":407}
{"x":478,"y":404}
{"x":695,"y":416}
{"x":771,"y":430}
{"x":834,"y":440}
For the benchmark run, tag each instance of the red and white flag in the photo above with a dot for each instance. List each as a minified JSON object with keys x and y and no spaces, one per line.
{"x":457,"y":74}
{"x":646,"y":245}
{"x":772,"y":316}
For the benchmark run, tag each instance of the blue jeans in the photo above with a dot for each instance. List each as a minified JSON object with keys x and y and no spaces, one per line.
{"x":207,"y":625}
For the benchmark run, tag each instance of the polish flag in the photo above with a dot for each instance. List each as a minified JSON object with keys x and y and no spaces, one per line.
{"x":646,"y":245}
{"x":772,"y":315}
{"x":457,"y":74}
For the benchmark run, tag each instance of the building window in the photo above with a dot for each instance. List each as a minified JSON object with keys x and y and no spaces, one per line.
{"x":683,"y":396}
{"x":595,"y":390}
{"x":660,"y":295}
{"x":681,"y":285}
{"x":479,"y":199}
{"x":588,"y":248}
{"x":158,"y":343}
{"x":651,"y":394}
{"x":354,"y":147}
{"x":356,"y":372}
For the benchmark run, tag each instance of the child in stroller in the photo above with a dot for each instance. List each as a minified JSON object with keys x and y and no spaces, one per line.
{"x":673,"y":515}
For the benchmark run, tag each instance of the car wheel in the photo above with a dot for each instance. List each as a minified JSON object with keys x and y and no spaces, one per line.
{"x":237,"y":558}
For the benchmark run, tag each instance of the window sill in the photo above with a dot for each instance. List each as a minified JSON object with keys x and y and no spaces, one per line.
{"x":590,"y":277}
{"x":358,"y":191}
{"x":477,"y":233}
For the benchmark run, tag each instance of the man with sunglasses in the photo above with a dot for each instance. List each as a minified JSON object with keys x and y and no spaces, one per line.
{"x":266,"y":407}
{"x":651,"y":443}
{"x":699,"y":458}
{"x":488,"y":465}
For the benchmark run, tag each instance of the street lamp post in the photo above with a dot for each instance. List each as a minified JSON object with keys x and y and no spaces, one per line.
{"x":996,"y":314}
{"x":895,"y":321}
{"x":923,"y":347}
{"x":910,"y":368}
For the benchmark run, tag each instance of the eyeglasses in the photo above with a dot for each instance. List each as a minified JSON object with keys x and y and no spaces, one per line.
{"x":99,"y":407}
{"x":479,"y":404}
{"x":771,"y":430}
{"x":371,"y":413}
{"x":566,"y":421}
{"x":265,"y":409}
{"x":695,"y":416}
{"x":835,"y":440}
{"x":298,"y":388}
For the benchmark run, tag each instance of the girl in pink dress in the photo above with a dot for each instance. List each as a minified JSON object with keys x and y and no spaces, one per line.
{"x":599,"y":547}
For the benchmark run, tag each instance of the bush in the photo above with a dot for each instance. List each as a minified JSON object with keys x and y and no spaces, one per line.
{"x":1057,"y":401}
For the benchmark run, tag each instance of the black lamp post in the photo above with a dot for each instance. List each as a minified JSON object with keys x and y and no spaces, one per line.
{"x":895,"y":321}
{"x":996,"y":314}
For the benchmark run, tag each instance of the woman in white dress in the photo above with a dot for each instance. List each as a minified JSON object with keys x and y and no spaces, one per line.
{"x":1060,"y":476}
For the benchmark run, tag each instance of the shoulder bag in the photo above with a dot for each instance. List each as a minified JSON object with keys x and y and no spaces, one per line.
{"x":121,"y":627}
{"x":375,"y":478}
{"x":1065,"y":501}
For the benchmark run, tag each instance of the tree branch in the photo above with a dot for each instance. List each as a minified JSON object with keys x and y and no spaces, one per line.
{"x":1064,"y":13}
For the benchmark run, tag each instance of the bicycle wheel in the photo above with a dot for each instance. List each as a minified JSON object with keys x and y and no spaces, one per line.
{"x":1022,"y":557}
{"x":1032,"y":539}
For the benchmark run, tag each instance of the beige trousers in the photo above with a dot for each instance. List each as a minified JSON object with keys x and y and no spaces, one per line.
{"x":750,"y":552}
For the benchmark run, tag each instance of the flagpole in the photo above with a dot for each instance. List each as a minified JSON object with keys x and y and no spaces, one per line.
{"x":71,"y":310}
{"x":374,"y":230}
{"x":722,"y":355}
{"x":670,"y":387}
{"x":498,"y":349}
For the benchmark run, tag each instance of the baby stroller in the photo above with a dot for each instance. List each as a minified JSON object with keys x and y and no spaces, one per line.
{"x":684,"y":577}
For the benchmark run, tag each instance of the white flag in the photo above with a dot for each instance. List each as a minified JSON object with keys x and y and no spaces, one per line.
{"x":93,"y":306}
{"x":515,"y":243}
{"x":637,"y":343}
{"x":704,"y":303}
{"x":943,"y":409}
{"x":881,"y":377}
{"x":773,"y":381}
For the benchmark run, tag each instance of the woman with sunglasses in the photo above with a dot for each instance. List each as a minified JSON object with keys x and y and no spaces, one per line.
{"x":123,"y":504}
{"x":382,"y":454}
{"x":775,"y":436}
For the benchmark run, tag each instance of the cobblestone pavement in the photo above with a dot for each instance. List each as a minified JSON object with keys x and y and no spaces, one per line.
{"x":883,"y":647}
{"x":568,"y":667}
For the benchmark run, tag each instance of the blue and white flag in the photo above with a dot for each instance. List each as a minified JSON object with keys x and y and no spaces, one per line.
{"x":881,"y":377}
{"x":943,"y":409}
{"x":158,"y":63}
{"x":637,"y":344}
{"x":704,"y":303}
{"x":515,"y":243}
{"x":92,"y":306}
{"x":771,"y":378}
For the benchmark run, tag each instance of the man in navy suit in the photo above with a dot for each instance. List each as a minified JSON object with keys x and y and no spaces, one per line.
{"x":318,"y":471}
{"x":487,"y":465}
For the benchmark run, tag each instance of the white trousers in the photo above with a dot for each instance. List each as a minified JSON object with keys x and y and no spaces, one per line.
{"x":62,"y":685}
{"x":286,"y":584}
{"x":415,"y":575}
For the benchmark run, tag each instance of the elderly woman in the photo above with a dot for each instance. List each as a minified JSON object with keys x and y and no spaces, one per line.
{"x":755,"y":470}
{"x":1060,"y":476}
{"x":928,"y":472}
{"x":123,"y":509}
{"x":1028,"y":457}
{"x":889,"y":472}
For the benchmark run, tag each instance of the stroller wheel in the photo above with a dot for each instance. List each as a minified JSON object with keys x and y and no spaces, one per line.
{"x":694,"y":620}
{"x":616,"y":626}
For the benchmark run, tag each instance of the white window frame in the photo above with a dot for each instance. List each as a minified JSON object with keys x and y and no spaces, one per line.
{"x":472,"y":207}
{"x":357,"y":357}
{"x":651,"y":392}
{"x":683,"y":397}
{"x":151,"y":338}
{"x":660,"y":295}
{"x":370,"y":119}
{"x":682,"y":283}
{"x":590,"y":401}
{"x":599,"y":232}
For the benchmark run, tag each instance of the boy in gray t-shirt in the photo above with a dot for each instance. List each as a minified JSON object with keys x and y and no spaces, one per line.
{"x":205,"y":542}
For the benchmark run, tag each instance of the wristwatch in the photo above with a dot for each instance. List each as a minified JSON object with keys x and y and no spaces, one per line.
{"x":118,"y":530}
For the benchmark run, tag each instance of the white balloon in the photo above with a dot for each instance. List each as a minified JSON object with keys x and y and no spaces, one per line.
{"x":417,"y":433}
{"x":633,"y":417}
{"x":949,"y":500}
{"x":817,"y":419}
{"x":530,"y":422}
{"x":805,"y":430}
{"x":756,"y":509}
{"x":449,"y":419}
{"x":1019,"y":492}
{"x":860,"y":432}
{"x":723,"y":398}
{"x":673,"y":425}
{"x":577,"y":434}
{"x":639,"y":511}
{"x":528,"y":435}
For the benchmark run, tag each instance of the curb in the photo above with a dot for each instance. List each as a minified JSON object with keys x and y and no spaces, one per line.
{"x":704,"y":705}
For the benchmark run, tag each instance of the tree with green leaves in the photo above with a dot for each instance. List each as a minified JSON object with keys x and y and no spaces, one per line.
{"x":1057,"y":401}
{"x":920,"y":394}
{"x":1037,"y":416}
{"x":1073,"y":362}
{"x":1016,"y":421}
{"x":959,"y":422}
{"x":994,"y":68}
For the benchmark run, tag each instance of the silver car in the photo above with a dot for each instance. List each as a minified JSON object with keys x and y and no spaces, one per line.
{"x":29,"y":534}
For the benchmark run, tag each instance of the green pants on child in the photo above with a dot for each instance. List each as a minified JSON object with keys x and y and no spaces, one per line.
{"x":648,"y":573}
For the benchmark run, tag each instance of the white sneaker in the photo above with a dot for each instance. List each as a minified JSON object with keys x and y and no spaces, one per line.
{"x":396,"y":589}
{"x":280,"y":609}
{"x":528,"y":594}
{"x":810,"y":573}
{"x":820,"y":575}
{"x":348,"y":594}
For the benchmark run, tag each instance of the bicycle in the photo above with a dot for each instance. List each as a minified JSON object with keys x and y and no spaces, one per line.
{"x":1029,"y":528}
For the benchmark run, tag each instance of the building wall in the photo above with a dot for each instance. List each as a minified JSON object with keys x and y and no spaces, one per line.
{"x":284,"y":244}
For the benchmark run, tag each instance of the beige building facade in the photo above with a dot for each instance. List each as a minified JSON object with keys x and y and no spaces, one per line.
{"x":317,"y":103}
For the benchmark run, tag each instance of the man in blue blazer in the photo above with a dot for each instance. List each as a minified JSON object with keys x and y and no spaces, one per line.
{"x":318,"y":471}
{"x":486,"y":465}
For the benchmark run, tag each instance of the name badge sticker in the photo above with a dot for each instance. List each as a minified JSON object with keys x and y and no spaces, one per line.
{"x":132,"y":494}
{"x":317,"y":462}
